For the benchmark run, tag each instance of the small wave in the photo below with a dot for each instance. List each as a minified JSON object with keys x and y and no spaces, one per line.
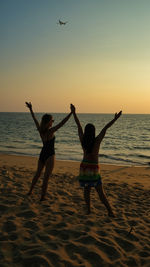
{"x":141,"y":147}
{"x":34,"y":146}
{"x":17,"y":152}
{"x":119,"y":159}
{"x":115,"y":158}
{"x":143,"y":156}
{"x":19,"y":141}
{"x":7,"y":146}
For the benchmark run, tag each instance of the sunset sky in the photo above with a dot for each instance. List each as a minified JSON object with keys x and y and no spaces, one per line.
{"x":99,"y":61}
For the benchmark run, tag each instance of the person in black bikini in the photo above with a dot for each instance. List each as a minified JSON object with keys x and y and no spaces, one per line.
{"x":47,"y":155}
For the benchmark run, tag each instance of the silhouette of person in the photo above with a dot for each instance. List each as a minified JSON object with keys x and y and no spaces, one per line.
{"x":47,"y":154}
{"x":89,"y":175}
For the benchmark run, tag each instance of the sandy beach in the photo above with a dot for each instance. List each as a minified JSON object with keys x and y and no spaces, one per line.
{"x":57,"y":232}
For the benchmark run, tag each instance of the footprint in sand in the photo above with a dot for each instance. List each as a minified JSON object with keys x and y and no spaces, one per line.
{"x":37,"y":260}
{"x":31,"y":225}
{"x":9,"y":227}
{"x":126,"y":245}
{"x":26,"y":214}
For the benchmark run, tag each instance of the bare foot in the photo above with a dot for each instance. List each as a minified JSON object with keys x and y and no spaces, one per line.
{"x":88,"y":212}
{"x":42,"y":199}
{"x":111,"y":214}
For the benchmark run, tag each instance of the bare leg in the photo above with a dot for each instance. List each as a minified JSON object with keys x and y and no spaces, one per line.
{"x":48,"y":171}
{"x":103,"y":198}
{"x":36,"y":176}
{"x":87,"y":191}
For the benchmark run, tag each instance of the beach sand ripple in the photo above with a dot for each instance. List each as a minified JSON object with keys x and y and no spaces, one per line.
{"x":57,"y":232}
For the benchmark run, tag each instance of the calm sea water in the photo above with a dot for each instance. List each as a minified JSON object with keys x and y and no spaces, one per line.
{"x":127,"y":142}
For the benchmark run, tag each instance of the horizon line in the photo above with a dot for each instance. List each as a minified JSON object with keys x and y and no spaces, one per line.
{"x":127,"y":113}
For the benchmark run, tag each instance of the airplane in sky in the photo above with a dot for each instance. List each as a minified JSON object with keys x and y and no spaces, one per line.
{"x":61,"y":22}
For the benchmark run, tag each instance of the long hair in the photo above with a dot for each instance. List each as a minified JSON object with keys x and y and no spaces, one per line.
{"x":44,"y":123}
{"x":88,"y":137}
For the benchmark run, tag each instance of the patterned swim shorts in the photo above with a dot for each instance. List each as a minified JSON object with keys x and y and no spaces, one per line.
{"x":89,"y":174}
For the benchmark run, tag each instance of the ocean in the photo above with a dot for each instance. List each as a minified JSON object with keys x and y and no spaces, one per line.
{"x":127,"y":142}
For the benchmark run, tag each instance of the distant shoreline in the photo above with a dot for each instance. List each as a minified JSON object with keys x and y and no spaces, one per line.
{"x":71,"y":161}
{"x":53,"y":112}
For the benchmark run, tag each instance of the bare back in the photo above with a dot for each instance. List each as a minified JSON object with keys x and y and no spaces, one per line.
{"x":93,"y":156}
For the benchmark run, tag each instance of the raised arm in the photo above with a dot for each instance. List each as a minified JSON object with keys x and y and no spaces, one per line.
{"x":59,"y":125}
{"x":29,"y":106}
{"x":108,"y":125}
{"x":80,"y":131}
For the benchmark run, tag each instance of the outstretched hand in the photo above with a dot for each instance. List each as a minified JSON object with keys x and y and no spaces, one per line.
{"x":72,"y":107}
{"x":29,"y":105}
{"x":117,"y":115}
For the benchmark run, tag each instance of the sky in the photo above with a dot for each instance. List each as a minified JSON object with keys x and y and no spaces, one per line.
{"x":99,"y":61}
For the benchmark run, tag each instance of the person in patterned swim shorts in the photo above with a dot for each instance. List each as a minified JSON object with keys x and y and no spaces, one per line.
{"x":89,"y":175}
